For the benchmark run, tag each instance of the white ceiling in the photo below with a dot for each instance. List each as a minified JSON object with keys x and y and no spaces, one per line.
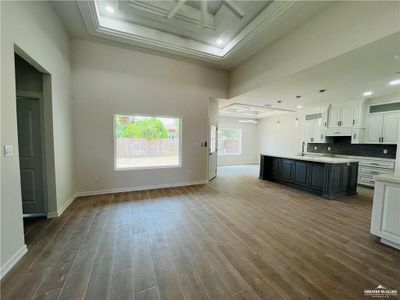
{"x":143,"y":23}
{"x":345,"y":78}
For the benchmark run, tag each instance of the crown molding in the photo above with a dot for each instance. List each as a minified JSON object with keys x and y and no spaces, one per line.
{"x":137,"y":35}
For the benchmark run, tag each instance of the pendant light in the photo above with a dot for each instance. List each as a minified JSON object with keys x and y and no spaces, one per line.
{"x":278,"y":124}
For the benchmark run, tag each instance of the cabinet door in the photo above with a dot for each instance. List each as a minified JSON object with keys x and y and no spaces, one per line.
{"x":357,"y":136}
{"x":287,"y":170}
{"x":390,"y":129}
{"x":309,"y":131}
{"x":374,"y":128}
{"x":300,"y":172}
{"x":346,"y":116}
{"x":319,"y":133}
{"x":357,"y":116}
{"x":334,"y":117}
{"x":276,"y":167}
{"x":316,"y":180}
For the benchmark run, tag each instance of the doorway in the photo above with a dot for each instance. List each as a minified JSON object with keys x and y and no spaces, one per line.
{"x":212,"y":138}
{"x":31,"y":143}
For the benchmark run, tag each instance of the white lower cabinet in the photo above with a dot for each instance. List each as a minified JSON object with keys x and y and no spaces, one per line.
{"x":368,"y":168}
{"x":385,"y":221}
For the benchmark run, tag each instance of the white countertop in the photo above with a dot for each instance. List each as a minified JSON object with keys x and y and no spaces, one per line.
{"x":391,"y":177}
{"x":317,"y":158}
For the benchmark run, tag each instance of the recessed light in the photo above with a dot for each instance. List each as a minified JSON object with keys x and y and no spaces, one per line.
{"x":299,"y":106}
{"x":220,"y":42}
{"x":279,"y":101}
{"x":110,"y":9}
{"x":322,"y":91}
{"x":367,"y":93}
{"x":395,"y":82}
{"x":298,"y":97}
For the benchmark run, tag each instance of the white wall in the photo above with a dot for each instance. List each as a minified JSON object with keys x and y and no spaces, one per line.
{"x":108,"y":80}
{"x":341,"y":27}
{"x":249,"y":142}
{"x":34,"y":28}
{"x":285,"y":140}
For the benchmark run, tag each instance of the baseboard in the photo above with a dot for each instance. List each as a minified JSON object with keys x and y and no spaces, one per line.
{"x":12,"y":261}
{"x":55,"y":214}
{"x":139,"y":188}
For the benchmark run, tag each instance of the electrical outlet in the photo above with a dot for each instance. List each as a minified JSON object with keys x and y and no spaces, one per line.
{"x":329,"y":148}
{"x":384,"y":151}
{"x":315,"y":148}
{"x":8,"y":150}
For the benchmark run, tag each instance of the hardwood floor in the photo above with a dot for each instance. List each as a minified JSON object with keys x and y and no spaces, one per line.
{"x":235,"y":238}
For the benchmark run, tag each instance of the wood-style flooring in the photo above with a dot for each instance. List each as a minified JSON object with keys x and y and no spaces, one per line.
{"x":236,"y":238}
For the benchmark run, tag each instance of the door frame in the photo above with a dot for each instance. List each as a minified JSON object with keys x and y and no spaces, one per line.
{"x":49,"y":171}
{"x":39,"y":97}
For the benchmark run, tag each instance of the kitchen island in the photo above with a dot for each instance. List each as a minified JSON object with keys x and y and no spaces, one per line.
{"x":330,"y":177}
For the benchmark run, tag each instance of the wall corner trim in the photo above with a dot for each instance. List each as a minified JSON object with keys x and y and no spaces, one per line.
{"x":55,"y":214}
{"x":12,"y":261}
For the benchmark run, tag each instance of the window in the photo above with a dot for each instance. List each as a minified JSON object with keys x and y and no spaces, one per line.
{"x":229,"y":141}
{"x":147,"y":142}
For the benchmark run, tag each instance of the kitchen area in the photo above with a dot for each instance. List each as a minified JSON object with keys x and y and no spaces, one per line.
{"x":346,"y":146}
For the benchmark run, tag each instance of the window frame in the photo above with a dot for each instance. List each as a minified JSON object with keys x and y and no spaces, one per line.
{"x":147,"y":167}
{"x":240,"y":142}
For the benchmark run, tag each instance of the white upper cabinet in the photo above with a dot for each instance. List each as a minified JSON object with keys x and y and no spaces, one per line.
{"x":346,"y":116}
{"x":314,"y":129}
{"x":334,"y":116}
{"x":390,"y":128}
{"x":358,"y":116}
{"x":382,"y":128}
{"x":374,"y":128}
{"x":340,"y":116}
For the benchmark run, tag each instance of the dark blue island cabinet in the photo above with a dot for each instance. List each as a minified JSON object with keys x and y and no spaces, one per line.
{"x":330,"y":180}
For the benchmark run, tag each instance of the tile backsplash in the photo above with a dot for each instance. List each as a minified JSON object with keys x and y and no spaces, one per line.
{"x":371,"y":150}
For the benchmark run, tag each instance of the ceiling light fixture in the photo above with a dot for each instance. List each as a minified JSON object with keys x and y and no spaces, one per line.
{"x":299,"y":106}
{"x":395,"y":82}
{"x":110,"y":9}
{"x":220,"y":42}
{"x":367,"y":93}
{"x":248,"y":121}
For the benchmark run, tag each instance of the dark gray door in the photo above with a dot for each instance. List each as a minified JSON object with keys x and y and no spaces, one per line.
{"x":30,"y":155}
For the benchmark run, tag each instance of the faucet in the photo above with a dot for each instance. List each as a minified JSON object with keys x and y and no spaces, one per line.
{"x":302,"y":148}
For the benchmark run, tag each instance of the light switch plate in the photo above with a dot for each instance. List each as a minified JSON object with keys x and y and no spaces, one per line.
{"x":8,"y":150}
{"x":329,"y":148}
{"x":384,"y":151}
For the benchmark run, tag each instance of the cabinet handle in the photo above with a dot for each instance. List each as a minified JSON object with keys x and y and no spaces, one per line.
{"x":354,"y":136}
{"x":354,"y":122}
{"x":382,"y":139}
{"x":322,"y":136}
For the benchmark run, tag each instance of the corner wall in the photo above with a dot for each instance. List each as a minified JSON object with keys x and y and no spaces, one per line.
{"x":35,"y":29}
